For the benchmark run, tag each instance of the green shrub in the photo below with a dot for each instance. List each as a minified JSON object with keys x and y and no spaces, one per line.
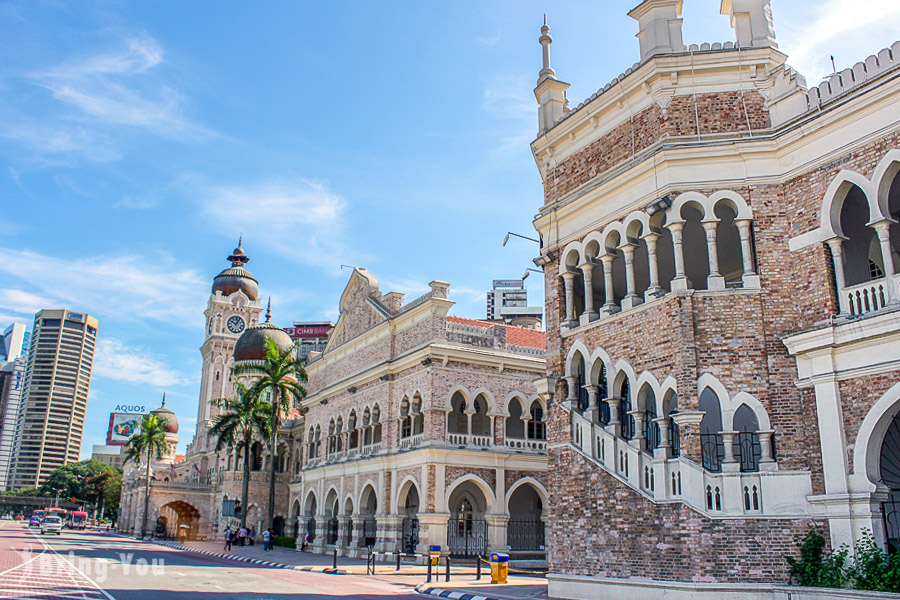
{"x":285,"y":541}
{"x":817,"y":567}
{"x":873,"y":568}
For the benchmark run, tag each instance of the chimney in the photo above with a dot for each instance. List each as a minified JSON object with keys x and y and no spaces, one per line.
{"x":660,"y":27}
{"x":393,"y":301}
{"x":439,"y":289}
{"x":752,"y":22}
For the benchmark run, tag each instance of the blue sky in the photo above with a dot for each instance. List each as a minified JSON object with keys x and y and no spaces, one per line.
{"x":139,"y":139}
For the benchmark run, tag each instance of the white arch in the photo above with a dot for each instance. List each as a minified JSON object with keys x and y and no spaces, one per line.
{"x":733,"y":199}
{"x":541,"y":490}
{"x":593,"y":237}
{"x":337,"y":496}
{"x":867,"y":449}
{"x":648,"y":379}
{"x":509,"y":398}
{"x":624,"y":370}
{"x":486,"y":490}
{"x":884,"y":174}
{"x":734,"y":403}
{"x":565,"y":257}
{"x":466,"y":394}
{"x":632,"y":221}
{"x":411,"y":479}
{"x":673,"y":215}
{"x":362,"y":490}
{"x":577,"y":347}
{"x":601,"y":355}
{"x":483,"y":391}
{"x":833,"y":201}
{"x":611,"y":228}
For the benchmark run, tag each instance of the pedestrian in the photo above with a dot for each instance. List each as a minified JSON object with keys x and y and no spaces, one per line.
{"x":242,"y":537}
{"x":267,"y":540}
{"x":305,"y":541}
{"x":229,"y":536}
{"x":252,"y":535}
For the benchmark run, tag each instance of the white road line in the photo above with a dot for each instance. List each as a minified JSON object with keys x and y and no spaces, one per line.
{"x":76,"y":569}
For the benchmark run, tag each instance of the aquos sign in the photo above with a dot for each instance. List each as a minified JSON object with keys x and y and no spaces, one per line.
{"x":130,"y":408}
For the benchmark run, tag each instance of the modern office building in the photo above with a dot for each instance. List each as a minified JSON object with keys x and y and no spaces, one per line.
{"x":57,"y":378}
{"x":14,"y":340}
{"x":508,"y":302}
{"x":12,"y":383}
{"x":312,"y":336}
{"x":108,"y":454}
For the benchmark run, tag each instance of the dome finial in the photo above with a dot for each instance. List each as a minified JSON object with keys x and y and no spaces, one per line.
{"x":164,"y":399}
{"x":545,"y":41}
{"x":240,"y":239}
{"x":238,"y":258}
{"x":269,"y":310}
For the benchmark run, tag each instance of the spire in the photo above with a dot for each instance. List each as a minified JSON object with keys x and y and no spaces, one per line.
{"x":238,"y":258}
{"x":164,"y":399}
{"x":545,"y":41}
{"x":269,"y":310}
{"x":240,"y":239}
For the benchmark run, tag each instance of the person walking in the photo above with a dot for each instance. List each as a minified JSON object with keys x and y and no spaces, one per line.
{"x":252,"y":536}
{"x":267,"y":540}
{"x":242,"y":537}
{"x":229,"y":537}
{"x":305,"y":541}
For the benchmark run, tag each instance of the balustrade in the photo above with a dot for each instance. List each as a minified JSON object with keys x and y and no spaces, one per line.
{"x":413,"y":440}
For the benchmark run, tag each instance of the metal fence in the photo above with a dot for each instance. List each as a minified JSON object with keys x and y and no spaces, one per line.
{"x":467,"y":538}
{"x":525,"y":534}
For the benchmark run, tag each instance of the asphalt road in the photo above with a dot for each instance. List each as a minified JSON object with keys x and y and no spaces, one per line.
{"x":88,"y":566}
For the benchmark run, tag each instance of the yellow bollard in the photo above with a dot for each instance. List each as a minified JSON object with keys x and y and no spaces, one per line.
{"x":499,"y":567}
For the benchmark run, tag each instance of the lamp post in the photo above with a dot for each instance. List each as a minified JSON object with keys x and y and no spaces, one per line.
{"x":56,"y":500}
{"x":529,"y":271}
{"x":509,"y":233}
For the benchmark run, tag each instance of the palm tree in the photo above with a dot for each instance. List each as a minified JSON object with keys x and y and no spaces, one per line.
{"x":281,"y":375}
{"x":243,"y":417}
{"x":148,"y":442}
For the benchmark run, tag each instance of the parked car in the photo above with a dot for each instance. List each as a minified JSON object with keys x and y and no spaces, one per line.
{"x":34,"y":521}
{"x":20,"y":518}
{"x":52,"y":524}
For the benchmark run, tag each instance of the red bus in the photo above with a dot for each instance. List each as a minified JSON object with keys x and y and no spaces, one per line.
{"x":55,"y":510}
{"x":77,"y":520}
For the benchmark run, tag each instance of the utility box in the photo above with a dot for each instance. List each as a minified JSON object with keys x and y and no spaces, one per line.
{"x":434,"y":555}
{"x":499,"y":567}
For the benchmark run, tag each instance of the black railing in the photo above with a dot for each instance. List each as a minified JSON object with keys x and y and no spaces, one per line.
{"x":525,"y":534}
{"x":891,"y":515}
{"x":603,"y":413}
{"x":651,"y":430}
{"x":674,"y":437}
{"x":712,"y":450}
{"x":584,"y":399}
{"x":348,"y":533}
{"x":368,"y":531}
{"x":331,"y":535}
{"x":466,"y":537}
{"x":626,"y":419}
{"x":747,"y":450}
{"x":410,"y":534}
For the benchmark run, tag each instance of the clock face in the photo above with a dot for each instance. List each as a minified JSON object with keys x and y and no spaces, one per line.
{"x":235,"y":324}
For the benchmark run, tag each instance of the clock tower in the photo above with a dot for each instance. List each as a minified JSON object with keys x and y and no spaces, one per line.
{"x":233,"y":306}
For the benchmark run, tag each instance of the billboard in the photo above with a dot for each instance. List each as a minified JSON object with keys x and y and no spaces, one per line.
{"x":121,"y":427}
{"x":309,"y":331}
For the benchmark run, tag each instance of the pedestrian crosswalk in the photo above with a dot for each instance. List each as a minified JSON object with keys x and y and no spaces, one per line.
{"x":48,"y":576}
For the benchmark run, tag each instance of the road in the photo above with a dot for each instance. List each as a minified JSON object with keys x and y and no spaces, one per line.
{"x":87,"y":566}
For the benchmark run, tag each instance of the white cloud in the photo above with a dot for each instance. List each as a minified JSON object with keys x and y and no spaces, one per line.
{"x":842,"y":28}
{"x":511,"y":99}
{"x":96,"y":96}
{"x":118,"y":361}
{"x":127,"y":287}
{"x":299,"y":219}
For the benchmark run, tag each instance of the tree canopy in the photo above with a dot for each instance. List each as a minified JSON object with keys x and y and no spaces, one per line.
{"x":74,"y":479}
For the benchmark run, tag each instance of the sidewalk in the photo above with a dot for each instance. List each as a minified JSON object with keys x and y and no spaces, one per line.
{"x":462,"y":582}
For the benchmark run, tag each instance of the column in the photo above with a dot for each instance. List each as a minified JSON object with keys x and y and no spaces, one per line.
{"x":637,"y":440}
{"x":883,"y":228}
{"x":655,"y":290}
{"x":614,"y":426}
{"x":729,"y":463}
{"x":662,"y":451}
{"x":610,"y":306}
{"x":569,"y":280}
{"x":592,"y":413}
{"x":681,"y":281}
{"x":750,"y":278}
{"x":589,"y":313}
{"x":631,"y":298}
{"x":715,"y":281}
{"x":837,"y":257}
{"x":766,"y":460}
{"x":572,"y":397}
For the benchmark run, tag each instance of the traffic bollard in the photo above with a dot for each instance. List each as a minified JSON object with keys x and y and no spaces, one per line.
{"x":447,"y":573}
{"x":334,"y":565}
{"x":478,"y":568}
{"x":398,"y":560}
{"x":429,"y":573}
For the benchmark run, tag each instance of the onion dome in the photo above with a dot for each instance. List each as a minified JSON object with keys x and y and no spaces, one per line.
{"x":237,"y":278}
{"x":164,"y":413}
{"x":252,"y":343}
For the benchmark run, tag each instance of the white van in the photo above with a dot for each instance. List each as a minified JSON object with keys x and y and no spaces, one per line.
{"x":52,"y":524}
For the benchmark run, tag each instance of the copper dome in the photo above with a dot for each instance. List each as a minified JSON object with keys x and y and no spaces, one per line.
{"x":237,"y":278}
{"x":252,"y":343}
{"x":164,"y":413}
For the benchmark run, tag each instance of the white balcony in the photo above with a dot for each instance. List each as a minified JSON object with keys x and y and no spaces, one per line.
{"x":870,"y":296}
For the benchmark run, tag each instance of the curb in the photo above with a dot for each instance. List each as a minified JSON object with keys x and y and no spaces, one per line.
{"x":442,"y":593}
{"x":255,"y":561}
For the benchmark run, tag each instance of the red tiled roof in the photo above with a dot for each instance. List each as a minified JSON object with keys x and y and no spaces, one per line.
{"x":179,"y":457}
{"x":532,"y":338}
{"x":517,"y":336}
{"x":295,"y":412}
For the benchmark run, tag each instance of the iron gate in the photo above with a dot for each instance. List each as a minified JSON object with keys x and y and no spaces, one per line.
{"x":410,"y":535}
{"x":331,"y":536}
{"x":891,"y":515}
{"x":467,"y":538}
{"x":368,"y":531}
{"x":525,"y":535}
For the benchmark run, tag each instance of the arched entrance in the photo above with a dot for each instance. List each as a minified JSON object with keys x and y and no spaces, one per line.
{"x":467,"y":529}
{"x":368,"y":508}
{"x":278,"y":526}
{"x":309,"y":510}
{"x":889,"y":466}
{"x":332,"y":510}
{"x":409,"y":503}
{"x":185,"y":517}
{"x":525,"y":530}
{"x":295,"y":517}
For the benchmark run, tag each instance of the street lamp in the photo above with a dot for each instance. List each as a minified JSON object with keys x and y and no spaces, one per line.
{"x":509,"y":233}
{"x":529,"y":271}
{"x":57,"y":490}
